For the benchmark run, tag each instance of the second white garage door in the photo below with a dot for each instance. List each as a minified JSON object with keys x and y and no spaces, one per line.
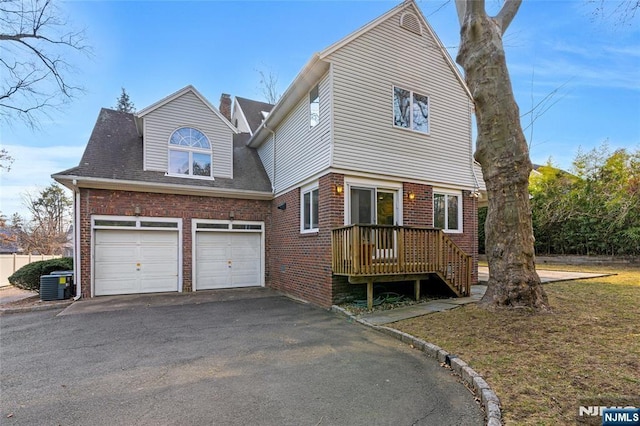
{"x":228,"y":259}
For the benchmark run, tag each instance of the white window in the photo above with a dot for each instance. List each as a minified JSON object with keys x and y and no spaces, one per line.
{"x":447,"y":211}
{"x":190,"y":154}
{"x":309,"y":209}
{"x":410,"y":110}
{"x":314,"y":107}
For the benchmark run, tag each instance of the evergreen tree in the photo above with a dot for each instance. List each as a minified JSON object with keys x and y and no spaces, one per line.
{"x":124,"y":103}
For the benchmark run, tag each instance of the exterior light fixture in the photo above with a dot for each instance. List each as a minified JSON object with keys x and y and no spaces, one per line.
{"x":412,"y":196}
{"x":339,"y":189}
{"x":137,"y":211}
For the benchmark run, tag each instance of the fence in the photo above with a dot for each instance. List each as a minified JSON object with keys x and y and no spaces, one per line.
{"x":9,"y":263}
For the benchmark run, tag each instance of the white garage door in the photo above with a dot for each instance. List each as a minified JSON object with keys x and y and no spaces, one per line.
{"x":228,"y":259}
{"x":127,"y":262}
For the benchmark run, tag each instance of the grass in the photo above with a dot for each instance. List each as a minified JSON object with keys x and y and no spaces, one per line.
{"x":542,"y":365}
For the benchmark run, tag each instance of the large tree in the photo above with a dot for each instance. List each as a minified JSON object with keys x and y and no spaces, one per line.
{"x":502,"y":150}
{"x":46,"y":233}
{"x":37,"y":43}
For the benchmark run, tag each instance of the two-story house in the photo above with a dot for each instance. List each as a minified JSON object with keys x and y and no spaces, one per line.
{"x":362,"y":172}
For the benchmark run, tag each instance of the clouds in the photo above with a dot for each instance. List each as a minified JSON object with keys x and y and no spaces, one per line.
{"x":32,"y":170}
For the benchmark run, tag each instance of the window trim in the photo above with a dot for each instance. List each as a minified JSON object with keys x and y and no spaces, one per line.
{"x":316,"y":88}
{"x":411,"y":95}
{"x":309,"y":189}
{"x":377,"y":185}
{"x":447,"y":194}
{"x":190,"y":150}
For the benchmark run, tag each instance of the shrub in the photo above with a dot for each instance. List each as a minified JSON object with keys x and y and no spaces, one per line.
{"x":28,"y":277}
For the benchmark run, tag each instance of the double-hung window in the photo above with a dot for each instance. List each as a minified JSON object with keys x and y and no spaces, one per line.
{"x":447,"y":211}
{"x":309,"y":209}
{"x":410,"y":110}
{"x":190,"y":154}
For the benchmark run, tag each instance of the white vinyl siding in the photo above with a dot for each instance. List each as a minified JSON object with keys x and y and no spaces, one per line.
{"x":364,"y":74}
{"x":186,"y":111}
{"x":265,"y":152}
{"x":302,"y":151}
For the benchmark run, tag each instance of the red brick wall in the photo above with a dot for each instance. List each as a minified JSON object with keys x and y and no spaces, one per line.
{"x":419,"y":212}
{"x":300,"y":264}
{"x":186,"y":207}
{"x":468,"y":240}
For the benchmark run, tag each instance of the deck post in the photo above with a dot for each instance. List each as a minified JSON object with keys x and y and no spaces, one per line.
{"x":416,"y":289}
{"x":370,"y":293}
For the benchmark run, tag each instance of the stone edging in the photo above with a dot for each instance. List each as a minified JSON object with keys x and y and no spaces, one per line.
{"x":473,"y":380}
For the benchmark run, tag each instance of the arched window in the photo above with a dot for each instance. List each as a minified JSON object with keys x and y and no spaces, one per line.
{"x":189,"y":153}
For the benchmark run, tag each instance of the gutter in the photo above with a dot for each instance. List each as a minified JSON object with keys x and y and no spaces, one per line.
{"x":160,"y":188}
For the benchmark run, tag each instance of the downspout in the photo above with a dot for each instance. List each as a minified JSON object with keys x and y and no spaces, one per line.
{"x":76,"y":239}
{"x":273,"y":174}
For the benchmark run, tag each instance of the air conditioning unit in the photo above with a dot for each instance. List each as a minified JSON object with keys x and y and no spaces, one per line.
{"x":56,"y":286}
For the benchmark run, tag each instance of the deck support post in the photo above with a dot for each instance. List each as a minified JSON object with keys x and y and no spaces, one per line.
{"x":416,"y":289}
{"x":370,"y":294}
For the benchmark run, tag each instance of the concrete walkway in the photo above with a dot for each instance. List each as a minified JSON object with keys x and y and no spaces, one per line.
{"x":477,"y":291}
{"x":547,"y":276}
{"x":10,"y":294}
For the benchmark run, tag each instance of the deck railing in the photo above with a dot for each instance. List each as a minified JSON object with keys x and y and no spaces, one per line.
{"x":378,"y":250}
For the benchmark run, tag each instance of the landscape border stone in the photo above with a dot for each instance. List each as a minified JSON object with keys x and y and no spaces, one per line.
{"x":488,"y":398}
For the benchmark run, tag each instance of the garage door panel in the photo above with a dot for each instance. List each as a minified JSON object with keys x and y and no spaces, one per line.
{"x":105,"y":237}
{"x":109,"y":270}
{"x":129,"y":262}
{"x":158,"y":284}
{"x":116,"y":285}
{"x":159,"y":254}
{"x":114,"y":254}
{"x":228,"y":259}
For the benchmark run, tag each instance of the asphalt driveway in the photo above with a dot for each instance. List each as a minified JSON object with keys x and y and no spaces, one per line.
{"x":248,"y":361}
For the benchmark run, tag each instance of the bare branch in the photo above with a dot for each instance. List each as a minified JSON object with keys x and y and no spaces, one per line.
{"x":269,"y":85}
{"x":507,"y":13}
{"x":37,"y":44}
{"x":461,"y":8}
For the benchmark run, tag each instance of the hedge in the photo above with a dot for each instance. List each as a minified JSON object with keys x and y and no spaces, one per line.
{"x":28,"y":277}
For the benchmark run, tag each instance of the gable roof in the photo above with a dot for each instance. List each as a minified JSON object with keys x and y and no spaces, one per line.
{"x":114,"y":156}
{"x":251,"y":111}
{"x":318,"y":66}
{"x":176,"y":95}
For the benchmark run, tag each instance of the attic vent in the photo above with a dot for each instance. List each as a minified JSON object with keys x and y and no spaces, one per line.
{"x":410,"y":22}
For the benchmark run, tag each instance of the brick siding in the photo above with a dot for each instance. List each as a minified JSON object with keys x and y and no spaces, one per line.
{"x":295,"y":263}
{"x":185,"y":207}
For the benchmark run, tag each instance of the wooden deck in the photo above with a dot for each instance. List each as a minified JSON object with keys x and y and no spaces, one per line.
{"x":378,"y":253}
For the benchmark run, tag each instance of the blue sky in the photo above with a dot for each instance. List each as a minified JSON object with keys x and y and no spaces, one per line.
{"x":153,"y":48}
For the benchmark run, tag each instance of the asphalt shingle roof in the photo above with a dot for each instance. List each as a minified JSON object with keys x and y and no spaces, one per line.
{"x":114,"y":151}
{"x":252,"y":111}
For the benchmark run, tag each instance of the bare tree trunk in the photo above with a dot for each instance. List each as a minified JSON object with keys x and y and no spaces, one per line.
{"x":503,"y":153}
